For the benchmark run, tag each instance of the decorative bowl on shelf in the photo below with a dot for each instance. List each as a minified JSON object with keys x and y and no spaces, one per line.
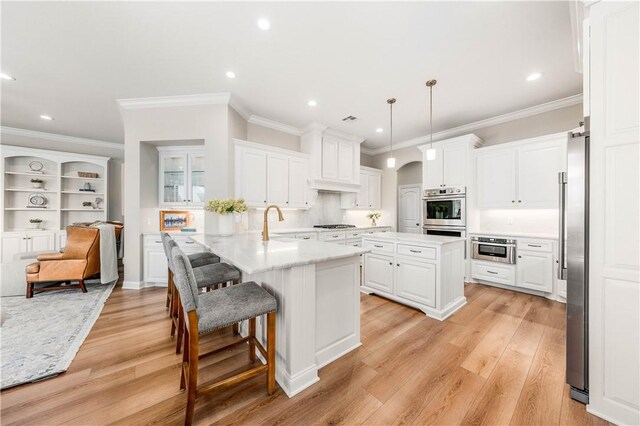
{"x":91,"y":175}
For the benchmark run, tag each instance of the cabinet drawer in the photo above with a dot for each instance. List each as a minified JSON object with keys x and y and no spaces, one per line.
{"x":355,"y":234}
{"x":332,"y":236}
{"x":354,"y":243}
{"x":418,"y":252}
{"x":378,"y":246}
{"x":503,"y":274}
{"x":535,"y":245}
{"x":153,"y":241}
{"x":307,"y":236}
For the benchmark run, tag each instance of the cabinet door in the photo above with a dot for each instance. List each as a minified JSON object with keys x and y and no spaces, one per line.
{"x":298,"y":183}
{"x":534,"y":270}
{"x":155,"y":266}
{"x":13,"y":245}
{"x":454,"y":166}
{"x":374,"y":191}
{"x":362,"y":197}
{"x":277,"y":179}
{"x":378,"y":272}
{"x":253,"y":177}
{"x":432,"y":170}
{"x":345,"y":161}
{"x":496,"y":179}
{"x":538,"y":169}
{"x":329,"y":157}
{"x":40,"y":242}
{"x":196,"y":180}
{"x":416,"y":281}
{"x":173,"y":179}
{"x":61,"y":240}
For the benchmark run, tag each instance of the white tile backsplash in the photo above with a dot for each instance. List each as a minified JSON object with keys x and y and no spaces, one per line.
{"x":538,"y":221}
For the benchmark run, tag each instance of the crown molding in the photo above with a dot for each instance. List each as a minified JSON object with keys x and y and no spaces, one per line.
{"x":469,"y":128}
{"x":235,"y":104}
{"x":275,"y":125}
{"x":59,"y":138}
{"x":343,"y":135}
{"x":175,"y":101}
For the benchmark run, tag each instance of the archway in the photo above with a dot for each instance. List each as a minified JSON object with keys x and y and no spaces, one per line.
{"x":409,"y":193}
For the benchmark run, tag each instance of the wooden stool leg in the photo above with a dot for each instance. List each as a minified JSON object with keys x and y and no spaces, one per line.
{"x":185,"y":361}
{"x":193,"y":367}
{"x":169,"y":294}
{"x":82,"y":286}
{"x":173,"y":310}
{"x":271,"y":352}
{"x":252,"y":337}
{"x":181,"y":327}
{"x":236,"y":329}
{"x":29,"y":290}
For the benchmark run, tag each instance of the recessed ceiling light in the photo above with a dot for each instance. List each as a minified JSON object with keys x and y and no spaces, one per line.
{"x":46,"y":117}
{"x":263,"y":24}
{"x":6,"y":76}
{"x":534,"y":76}
{"x":231,"y":74}
{"x":312,"y":103}
{"x":379,"y":130}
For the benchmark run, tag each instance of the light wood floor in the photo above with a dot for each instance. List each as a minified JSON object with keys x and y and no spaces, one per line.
{"x":499,"y":360}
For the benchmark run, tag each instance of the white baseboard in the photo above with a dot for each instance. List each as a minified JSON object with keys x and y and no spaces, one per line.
{"x":132,"y":285}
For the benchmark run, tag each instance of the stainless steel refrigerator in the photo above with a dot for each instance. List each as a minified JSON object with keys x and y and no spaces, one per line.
{"x":574,"y":259}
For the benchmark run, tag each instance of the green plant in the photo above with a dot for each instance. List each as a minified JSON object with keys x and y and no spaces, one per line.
{"x":36,"y":220}
{"x":374,"y":215}
{"x":37,"y":180}
{"x":226,"y":206}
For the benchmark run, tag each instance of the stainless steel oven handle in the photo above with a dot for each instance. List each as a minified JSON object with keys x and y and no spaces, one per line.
{"x":562,"y":182}
{"x":492,"y":244}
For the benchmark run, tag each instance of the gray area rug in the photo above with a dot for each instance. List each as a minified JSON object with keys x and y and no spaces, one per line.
{"x":40,"y":336}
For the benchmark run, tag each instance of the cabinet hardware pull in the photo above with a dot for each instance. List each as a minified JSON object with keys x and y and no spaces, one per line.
{"x":491,"y":272}
{"x":415,"y":251}
{"x":306,"y":238}
{"x":519,"y":257}
{"x":189,"y":242}
{"x":391,"y":263}
{"x":513,"y":201}
{"x":159,"y":242}
{"x":519,"y":201}
{"x":375,"y":245}
{"x":534,"y":245}
{"x":398,"y":264}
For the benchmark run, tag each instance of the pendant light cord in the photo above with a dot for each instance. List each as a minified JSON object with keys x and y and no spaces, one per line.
{"x":391,"y":101}
{"x":431,"y":114}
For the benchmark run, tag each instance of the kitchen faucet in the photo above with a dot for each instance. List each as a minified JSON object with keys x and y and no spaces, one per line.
{"x":265,"y":226}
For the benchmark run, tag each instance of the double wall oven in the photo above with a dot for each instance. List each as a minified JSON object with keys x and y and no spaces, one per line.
{"x":444,"y":212}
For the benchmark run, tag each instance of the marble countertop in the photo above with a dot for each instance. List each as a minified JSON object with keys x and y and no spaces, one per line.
{"x":515,"y":235}
{"x":414,"y":238}
{"x":173,"y":233}
{"x":303,"y":230}
{"x":251,"y":255}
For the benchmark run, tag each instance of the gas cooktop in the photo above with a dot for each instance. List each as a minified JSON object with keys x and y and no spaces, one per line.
{"x":336,"y":226}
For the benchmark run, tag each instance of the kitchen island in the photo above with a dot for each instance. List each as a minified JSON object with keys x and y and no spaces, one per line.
{"x":422,"y":271}
{"x":317,"y":287}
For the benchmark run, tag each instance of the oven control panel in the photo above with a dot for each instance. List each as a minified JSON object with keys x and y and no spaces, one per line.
{"x":436,"y":192}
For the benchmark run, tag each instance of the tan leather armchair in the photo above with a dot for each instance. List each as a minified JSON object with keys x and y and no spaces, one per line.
{"x":79,"y":261}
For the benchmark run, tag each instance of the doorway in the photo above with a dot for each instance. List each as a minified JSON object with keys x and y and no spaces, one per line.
{"x":409,"y":203}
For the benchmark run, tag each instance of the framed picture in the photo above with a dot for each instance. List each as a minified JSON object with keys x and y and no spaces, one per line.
{"x":174,"y":220}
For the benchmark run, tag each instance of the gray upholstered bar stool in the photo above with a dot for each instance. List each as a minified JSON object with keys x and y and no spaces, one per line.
{"x":196,"y":259}
{"x":206,"y":312}
{"x":208,"y":276}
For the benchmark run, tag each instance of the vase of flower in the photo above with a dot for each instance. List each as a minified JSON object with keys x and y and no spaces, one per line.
{"x":37,"y":183}
{"x":374,"y":216}
{"x":220,"y":219}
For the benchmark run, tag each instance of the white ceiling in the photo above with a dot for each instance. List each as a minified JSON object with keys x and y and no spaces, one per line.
{"x":72,"y":60}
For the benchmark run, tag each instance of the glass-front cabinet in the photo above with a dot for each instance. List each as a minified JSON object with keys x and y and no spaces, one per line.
{"x":181,"y":176}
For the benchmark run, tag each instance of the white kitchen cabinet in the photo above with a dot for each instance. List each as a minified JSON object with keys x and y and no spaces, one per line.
{"x":330,"y":157}
{"x":521,"y":174}
{"x":416,"y":281}
{"x":449,"y":168}
{"x":181,"y":176}
{"x":535,"y":270}
{"x":368,"y":195}
{"x":266,"y":175}
{"x":24,"y":242}
{"x":346,"y":153}
{"x":337,"y":159}
{"x":154,"y":262}
{"x":380,"y":272}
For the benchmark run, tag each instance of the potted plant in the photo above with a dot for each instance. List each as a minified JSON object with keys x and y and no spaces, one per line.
{"x":36,"y":222}
{"x":224,"y":210}
{"x":374,"y":216}
{"x":37,"y":183}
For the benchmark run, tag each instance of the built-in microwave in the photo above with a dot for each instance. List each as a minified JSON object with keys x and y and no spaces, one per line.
{"x":501,"y":250}
{"x":445,"y":206}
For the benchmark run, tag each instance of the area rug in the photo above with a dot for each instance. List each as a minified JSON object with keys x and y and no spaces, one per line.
{"x":40,"y":336}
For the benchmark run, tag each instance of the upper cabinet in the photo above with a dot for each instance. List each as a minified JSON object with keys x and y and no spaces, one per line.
{"x":266,"y":175}
{"x":334,"y":158}
{"x":521,"y":174}
{"x":181,"y":176}
{"x":368,"y":196}
{"x":450,"y":167}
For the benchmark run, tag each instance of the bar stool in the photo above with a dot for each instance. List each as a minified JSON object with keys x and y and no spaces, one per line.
{"x":196,"y":259}
{"x":210,"y":311}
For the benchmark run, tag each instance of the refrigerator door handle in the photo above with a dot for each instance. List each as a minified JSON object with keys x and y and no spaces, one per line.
{"x":562,"y":182}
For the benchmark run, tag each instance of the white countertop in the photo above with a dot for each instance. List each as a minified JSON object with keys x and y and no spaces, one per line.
{"x":173,"y":233}
{"x":414,"y":238}
{"x":515,"y":235}
{"x":251,"y":255}
{"x":303,"y":230}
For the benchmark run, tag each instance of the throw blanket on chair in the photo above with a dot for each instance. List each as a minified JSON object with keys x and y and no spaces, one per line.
{"x":108,"y":254}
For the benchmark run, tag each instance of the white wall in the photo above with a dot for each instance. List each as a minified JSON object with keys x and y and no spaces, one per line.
{"x":267,"y":136}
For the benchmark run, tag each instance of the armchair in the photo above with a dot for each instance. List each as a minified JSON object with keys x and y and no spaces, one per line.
{"x":79,"y":261}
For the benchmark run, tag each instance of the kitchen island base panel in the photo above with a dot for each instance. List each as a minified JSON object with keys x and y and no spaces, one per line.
{"x":440,"y":315}
{"x":310,"y":331}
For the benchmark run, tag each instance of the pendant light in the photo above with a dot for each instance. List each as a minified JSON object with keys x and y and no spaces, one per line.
{"x":431,"y":153}
{"x":391,"y":161}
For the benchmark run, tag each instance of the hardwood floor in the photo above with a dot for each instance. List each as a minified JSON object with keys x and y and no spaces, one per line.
{"x":499,"y":360}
